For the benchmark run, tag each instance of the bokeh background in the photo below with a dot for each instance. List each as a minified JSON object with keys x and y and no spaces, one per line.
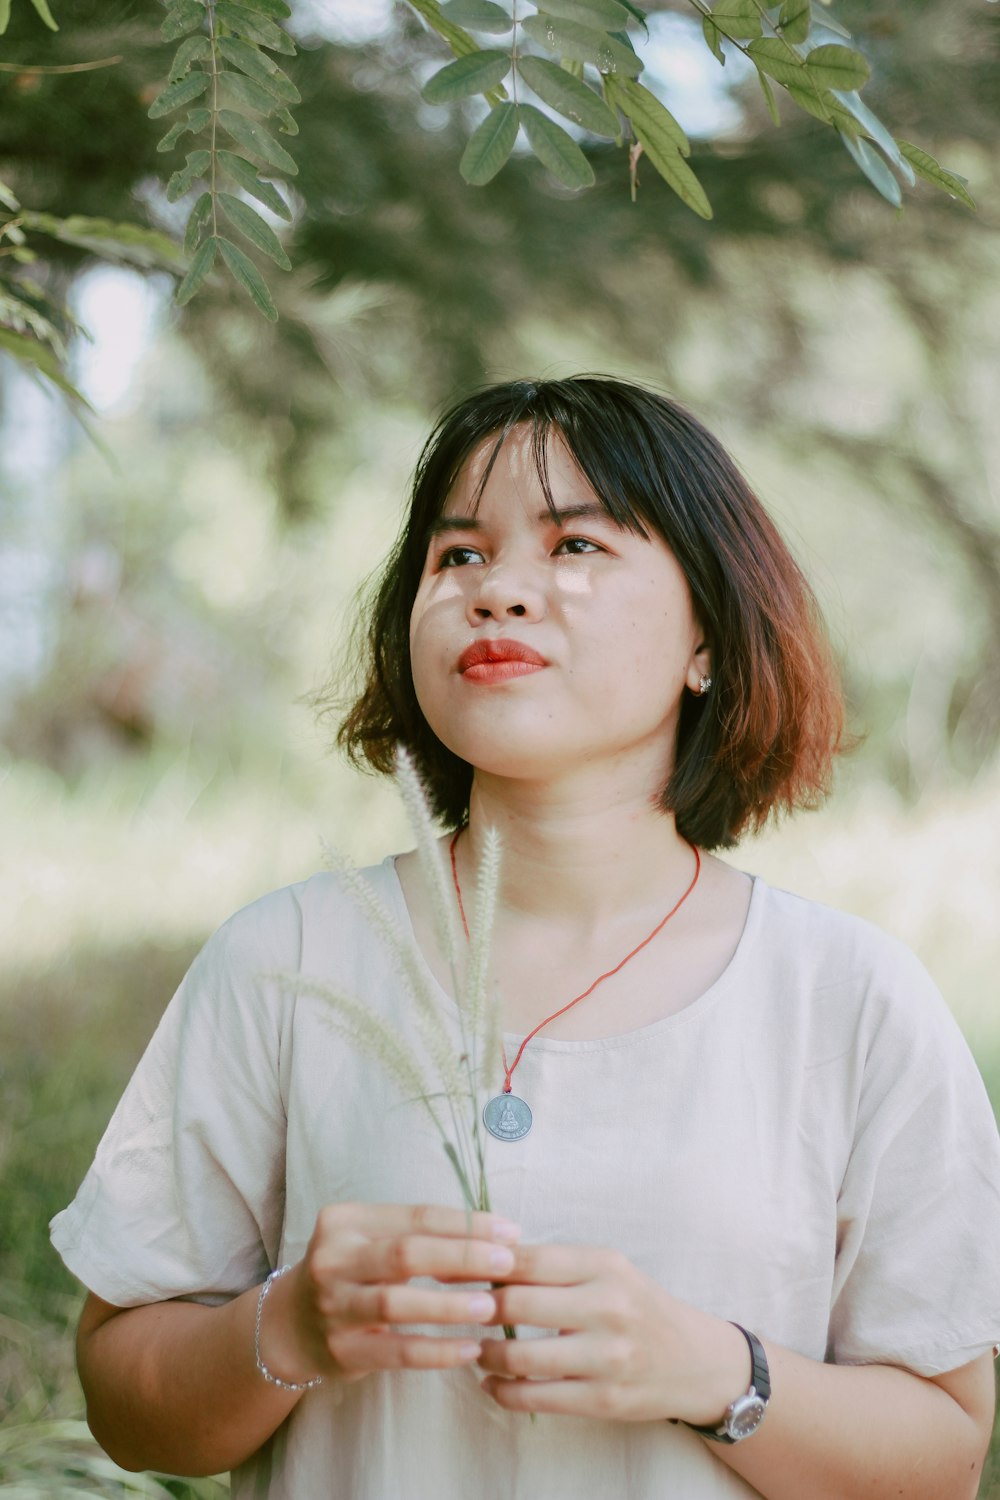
{"x":172,"y":593}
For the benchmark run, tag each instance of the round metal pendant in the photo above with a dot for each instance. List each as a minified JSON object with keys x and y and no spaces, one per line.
{"x":507,"y":1117}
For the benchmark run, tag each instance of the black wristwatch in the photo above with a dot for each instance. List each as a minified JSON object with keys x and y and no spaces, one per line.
{"x":745,"y":1414}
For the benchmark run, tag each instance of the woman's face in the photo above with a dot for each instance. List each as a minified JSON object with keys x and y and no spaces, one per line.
{"x":543,"y":644}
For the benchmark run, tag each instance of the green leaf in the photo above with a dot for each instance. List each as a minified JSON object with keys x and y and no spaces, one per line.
{"x":463,"y":1180}
{"x":568,"y":96}
{"x":827,"y":23}
{"x":769,"y":99}
{"x":259,"y":142}
{"x":176,"y":95}
{"x":255,"y":27}
{"x":4,"y":15}
{"x":660,"y":146}
{"x":275,"y":8}
{"x":196,"y":121}
{"x":203,"y":262}
{"x":285,"y":122}
{"x":835,"y":67}
{"x":198,"y":163}
{"x":41,"y":6}
{"x":643,"y":108}
{"x":249,"y":277}
{"x":583,"y":44}
{"x":713,"y":36}
{"x":478,"y":15}
{"x":636,"y":13}
{"x":249,"y":222}
{"x":192,"y":49}
{"x":198,"y":218}
{"x":112,"y":241}
{"x":20,"y":316}
{"x":490,"y":145}
{"x":602,"y":15}
{"x":473,"y":74}
{"x":808,"y":99}
{"x":256,"y":64}
{"x":245,"y":174}
{"x":458,"y":39}
{"x":30,"y":351}
{"x":776,"y":57}
{"x":795,"y":19}
{"x":555,"y":149}
{"x":931,"y":171}
{"x":242,"y":90}
{"x":182,"y":16}
{"x":737,"y":19}
{"x":848,"y":111}
{"x":874,"y":168}
{"x":7,"y":198}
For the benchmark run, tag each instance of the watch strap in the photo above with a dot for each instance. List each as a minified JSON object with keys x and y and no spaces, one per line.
{"x":760,"y":1383}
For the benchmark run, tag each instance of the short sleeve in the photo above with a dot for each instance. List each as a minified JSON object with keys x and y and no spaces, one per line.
{"x":185,"y":1194}
{"x":918,"y":1258}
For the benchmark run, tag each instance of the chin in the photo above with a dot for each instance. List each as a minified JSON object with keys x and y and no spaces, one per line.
{"x":508,"y":754}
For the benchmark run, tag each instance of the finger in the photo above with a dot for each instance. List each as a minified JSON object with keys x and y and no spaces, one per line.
{"x":569,"y":1309}
{"x":385,"y":1260}
{"x":390,"y":1220}
{"x":565,"y":1265}
{"x":365,"y":1306}
{"x":365,"y":1350}
{"x":583,"y":1398}
{"x":575,"y":1357}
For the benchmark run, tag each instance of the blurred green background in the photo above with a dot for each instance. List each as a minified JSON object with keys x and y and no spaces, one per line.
{"x":169,"y":601}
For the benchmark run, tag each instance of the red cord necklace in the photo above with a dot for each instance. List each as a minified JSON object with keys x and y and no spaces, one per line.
{"x":506,"y":1116}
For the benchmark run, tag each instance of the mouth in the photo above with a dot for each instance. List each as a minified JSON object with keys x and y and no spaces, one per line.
{"x":499,"y":661}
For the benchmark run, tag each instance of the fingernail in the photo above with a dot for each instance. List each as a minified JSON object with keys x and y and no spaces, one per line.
{"x":469,"y":1351}
{"x":482,"y":1306}
{"x":501,"y":1260}
{"x":506,"y":1229}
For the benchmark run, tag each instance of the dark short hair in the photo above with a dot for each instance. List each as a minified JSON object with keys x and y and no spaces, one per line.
{"x":763,"y":740}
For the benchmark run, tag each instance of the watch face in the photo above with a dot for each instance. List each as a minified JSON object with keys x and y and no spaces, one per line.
{"x":745,"y":1416}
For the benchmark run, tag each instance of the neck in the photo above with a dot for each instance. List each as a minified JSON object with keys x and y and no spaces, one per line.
{"x":585,"y":853}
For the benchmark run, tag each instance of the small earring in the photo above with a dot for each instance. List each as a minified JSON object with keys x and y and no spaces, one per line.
{"x":704,"y":684}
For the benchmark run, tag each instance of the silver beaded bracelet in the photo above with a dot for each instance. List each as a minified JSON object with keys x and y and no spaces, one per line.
{"x":285,"y":1385}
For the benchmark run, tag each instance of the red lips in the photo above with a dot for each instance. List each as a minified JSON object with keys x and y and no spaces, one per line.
{"x":499,"y":660}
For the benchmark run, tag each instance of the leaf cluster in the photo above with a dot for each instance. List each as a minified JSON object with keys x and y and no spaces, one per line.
{"x":579,"y":60}
{"x":41,"y":9}
{"x":227,"y":88}
{"x":34,"y":326}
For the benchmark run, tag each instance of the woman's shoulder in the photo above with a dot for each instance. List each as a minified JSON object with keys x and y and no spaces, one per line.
{"x":277,"y":924}
{"x":844,"y":958}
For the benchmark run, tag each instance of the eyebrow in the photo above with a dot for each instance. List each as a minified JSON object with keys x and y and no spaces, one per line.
{"x":562,"y":515}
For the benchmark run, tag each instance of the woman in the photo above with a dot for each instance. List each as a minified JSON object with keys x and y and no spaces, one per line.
{"x":753,"y":1176}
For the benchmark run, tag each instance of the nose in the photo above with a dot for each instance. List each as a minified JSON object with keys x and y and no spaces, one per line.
{"x":503,"y":592}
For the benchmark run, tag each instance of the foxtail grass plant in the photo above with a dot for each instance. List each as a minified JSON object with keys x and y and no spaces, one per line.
{"x":455,"y":1105}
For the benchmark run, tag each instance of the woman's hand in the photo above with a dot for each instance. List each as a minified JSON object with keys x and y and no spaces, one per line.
{"x":334,"y":1312}
{"x":626,"y":1350}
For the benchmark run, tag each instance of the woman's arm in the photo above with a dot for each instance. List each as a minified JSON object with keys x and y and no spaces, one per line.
{"x":175,"y":1385}
{"x":836,"y":1431}
{"x":629,"y":1351}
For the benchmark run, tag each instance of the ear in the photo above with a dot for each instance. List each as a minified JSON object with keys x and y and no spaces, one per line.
{"x":699,"y":666}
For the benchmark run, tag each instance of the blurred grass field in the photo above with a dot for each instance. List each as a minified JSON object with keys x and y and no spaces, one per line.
{"x":107,"y":891}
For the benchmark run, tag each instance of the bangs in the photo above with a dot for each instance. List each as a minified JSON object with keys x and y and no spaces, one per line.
{"x":595,"y":450}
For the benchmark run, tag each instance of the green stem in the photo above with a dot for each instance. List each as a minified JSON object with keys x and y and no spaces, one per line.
{"x":213,"y":37}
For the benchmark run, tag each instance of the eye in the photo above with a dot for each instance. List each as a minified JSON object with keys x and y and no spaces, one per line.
{"x":457,"y":557}
{"x":577,"y":546}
